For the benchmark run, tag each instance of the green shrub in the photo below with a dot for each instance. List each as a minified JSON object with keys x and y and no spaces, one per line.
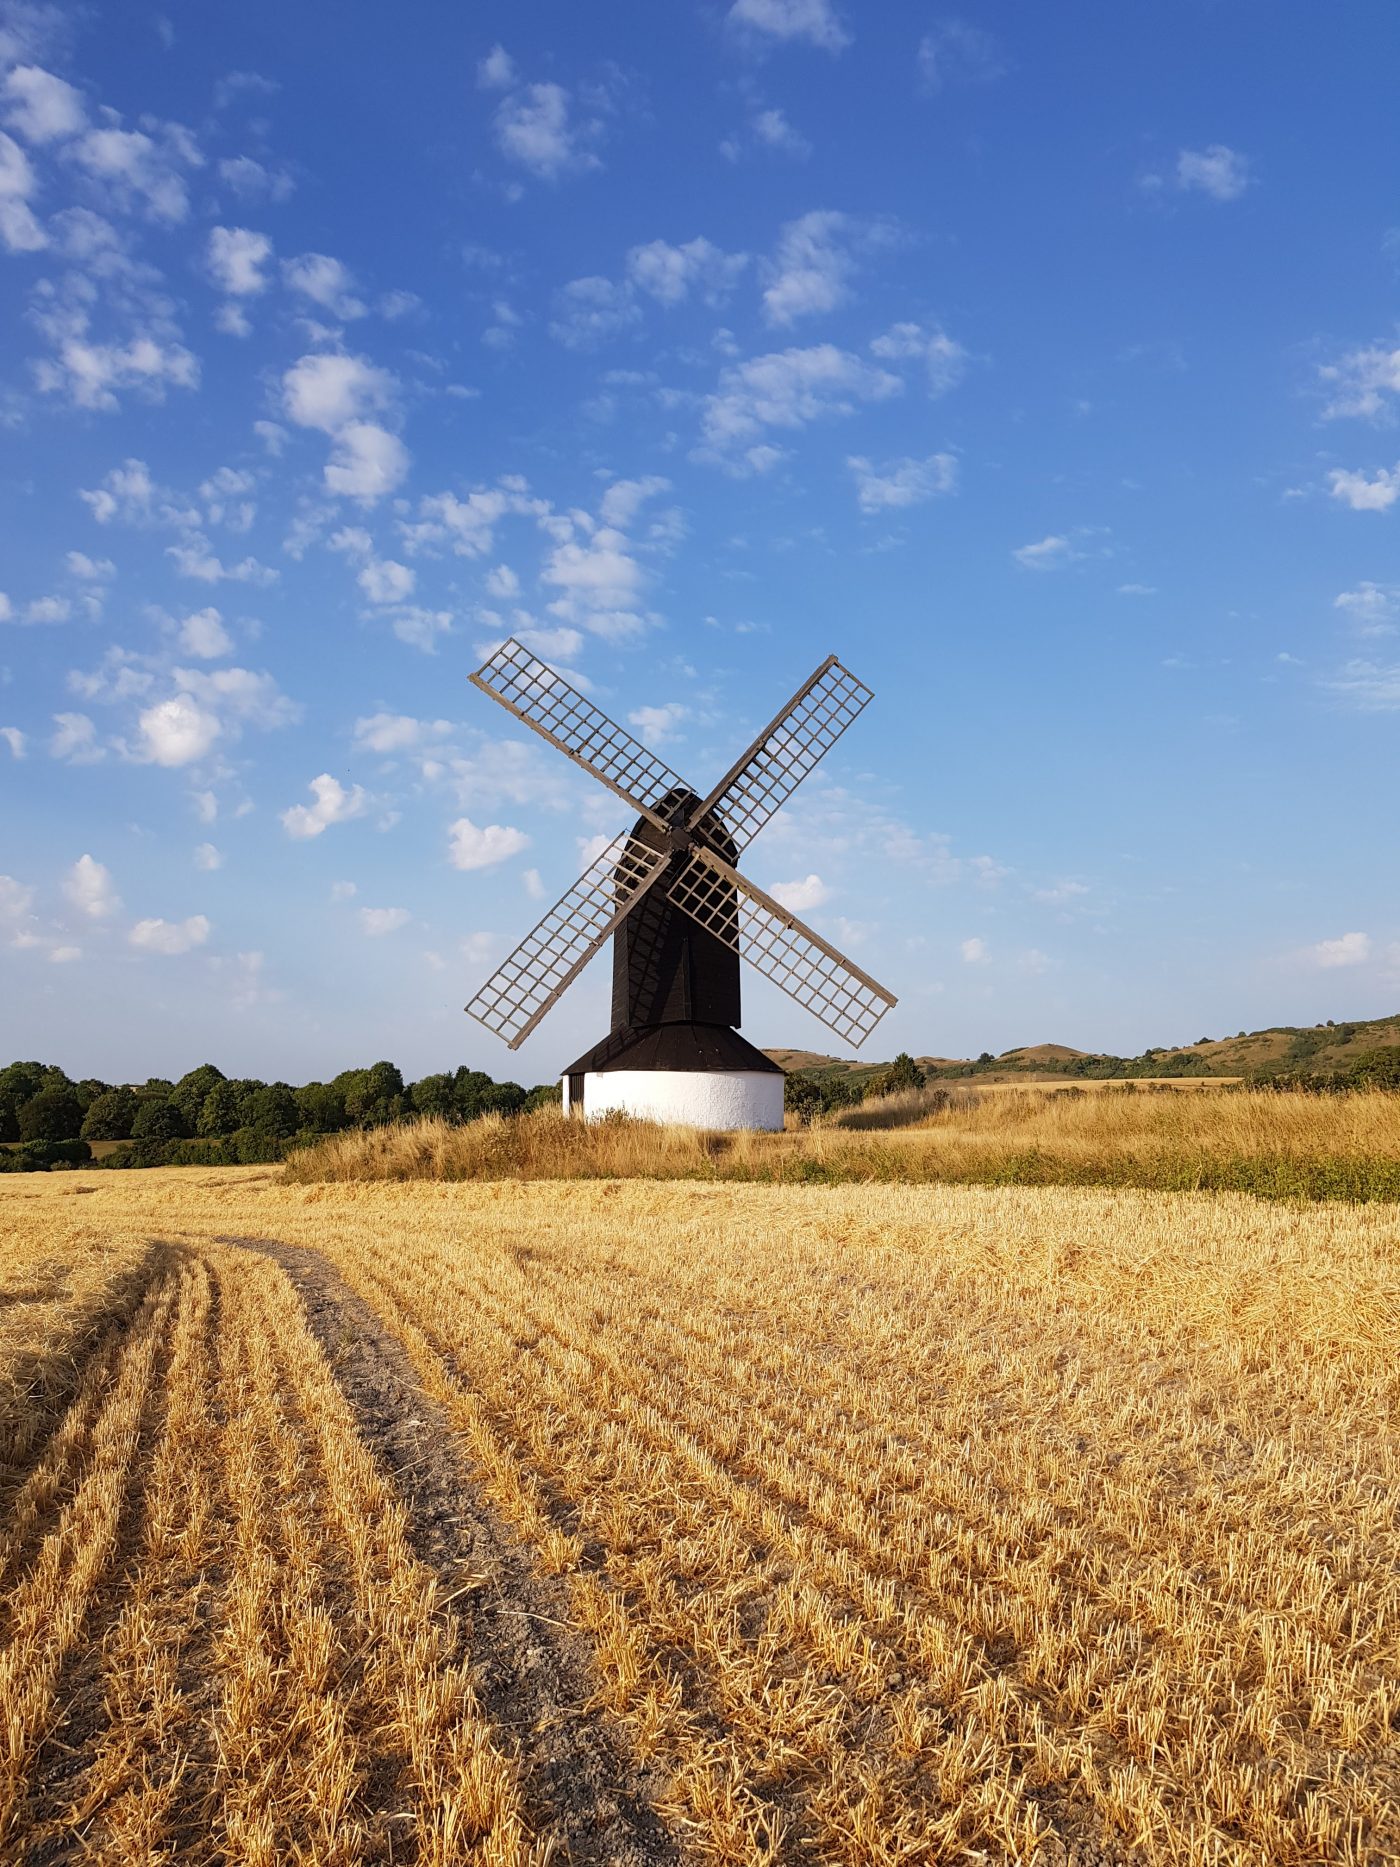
{"x":52,"y":1115}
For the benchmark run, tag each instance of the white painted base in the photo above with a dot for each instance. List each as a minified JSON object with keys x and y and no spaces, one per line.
{"x":695,"y":1098}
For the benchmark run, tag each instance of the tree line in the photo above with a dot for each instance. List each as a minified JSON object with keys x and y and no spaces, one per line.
{"x":207,"y":1118}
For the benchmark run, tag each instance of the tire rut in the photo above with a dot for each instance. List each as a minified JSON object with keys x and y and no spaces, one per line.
{"x":532,"y":1673}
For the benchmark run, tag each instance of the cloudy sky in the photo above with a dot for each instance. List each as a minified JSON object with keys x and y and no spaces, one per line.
{"x":1041,"y":363}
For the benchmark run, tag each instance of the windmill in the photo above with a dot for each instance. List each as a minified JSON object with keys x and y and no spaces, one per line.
{"x":679,"y":913}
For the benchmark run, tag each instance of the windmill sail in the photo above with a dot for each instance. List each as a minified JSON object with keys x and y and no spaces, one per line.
{"x":555,"y":952}
{"x":546,"y":703}
{"x":762,"y":931}
{"x":759,"y":783}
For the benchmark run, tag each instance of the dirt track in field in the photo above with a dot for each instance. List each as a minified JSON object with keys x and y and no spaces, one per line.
{"x":534,"y":1675}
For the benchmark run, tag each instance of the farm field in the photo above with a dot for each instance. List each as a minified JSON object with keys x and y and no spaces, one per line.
{"x":613,"y":1521}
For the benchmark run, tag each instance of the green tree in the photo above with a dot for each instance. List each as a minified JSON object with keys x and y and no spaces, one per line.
{"x":189,"y":1093}
{"x":903,"y":1073}
{"x":109,"y":1116}
{"x":221,"y":1110}
{"x":9,"y":1120}
{"x":157,"y":1086}
{"x":273,"y":1110}
{"x":21,"y":1082}
{"x":320,"y":1108}
{"x":374,"y":1096}
{"x":158,"y":1119}
{"x":503,"y":1099}
{"x":468,"y":1088}
{"x":432,"y":1096}
{"x":802,"y":1095}
{"x":52,"y":1115}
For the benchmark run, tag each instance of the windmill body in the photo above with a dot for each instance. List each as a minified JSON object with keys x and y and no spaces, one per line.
{"x":680,"y":914}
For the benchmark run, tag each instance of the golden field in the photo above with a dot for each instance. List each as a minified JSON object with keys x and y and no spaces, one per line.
{"x":1172,"y":1140}
{"x":857,"y":1524}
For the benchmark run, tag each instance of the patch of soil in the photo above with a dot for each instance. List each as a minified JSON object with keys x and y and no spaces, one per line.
{"x":534,"y":1675}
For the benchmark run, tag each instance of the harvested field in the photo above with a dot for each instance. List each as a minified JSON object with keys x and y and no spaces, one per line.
{"x":1217,"y":1140}
{"x":500,"y":1522}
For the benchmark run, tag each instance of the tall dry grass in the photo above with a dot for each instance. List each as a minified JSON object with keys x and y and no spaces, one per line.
{"x":907,"y":1523}
{"x":1279,"y":1146}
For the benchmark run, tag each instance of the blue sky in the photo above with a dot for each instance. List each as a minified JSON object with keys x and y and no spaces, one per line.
{"x":1041,"y":363}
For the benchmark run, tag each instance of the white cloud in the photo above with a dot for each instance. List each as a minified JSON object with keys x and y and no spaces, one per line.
{"x":1220,"y":172}
{"x":15,"y":902}
{"x":816,"y":21}
{"x":177,"y":731}
{"x":14,"y":739}
{"x":1363,"y":495}
{"x":1352,"y":949}
{"x":64,"y":955}
{"x":366,"y":463}
{"x":397,"y":732}
{"x":1372,"y":608}
{"x":378,"y":921}
{"x":1137,"y":589}
{"x":343,"y":891}
{"x":1369,"y":686}
{"x":326,"y":282}
{"x":657,"y":725}
{"x":195,"y":559}
{"x":75,"y":740}
{"x":251,"y":181}
{"x":384,"y":581}
{"x":592,"y":311}
{"x":91,"y":374}
{"x":127,"y":493}
{"x":623,"y":500}
{"x":535,"y":128}
{"x":472,"y":847}
{"x":236,"y":257}
{"x":773,"y":130}
{"x":48,"y":609}
{"x":812,"y":267}
{"x":330,"y":391}
{"x":502,"y":581}
{"x":1048,"y":554}
{"x":496,"y":72}
{"x":669,"y":274}
{"x":799,"y":897}
{"x":942,"y":357}
{"x":975,"y":951}
{"x":89,"y":887}
{"x":785,"y":389}
{"x":19,"y":229}
{"x":956,"y":53}
{"x":140,"y":174}
{"x":533,"y":884}
{"x":1361,"y":381}
{"x":468,"y":525}
{"x":169,"y":937}
{"x":207,"y":857}
{"x":420,"y":628}
{"x":42,"y":107}
{"x":902,"y":483}
{"x":203,"y":635}
{"x":91,"y":570}
{"x":333,"y":804}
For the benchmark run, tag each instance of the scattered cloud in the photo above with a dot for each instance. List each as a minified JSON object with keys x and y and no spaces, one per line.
{"x":386,"y":733}
{"x":236,"y":258}
{"x":90,"y":889}
{"x":204,"y":636}
{"x":376,"y":922}
{"x":1361,"y":381}
{"x":481,"y":847}
{"x":815,"y":21}
{"x":801,"y":896}
{"x":1050,"y":553}
{"x":943,"y":358}
{"x":178,"y":731}
{"x":785,"y":389}
{"x":207,"y":857}
{"x":1368,"y":686}
{"x":592,"y":311}
{"x":385,"y":582}
{"x":1137,"y":589}
{"x":900,"y":483}
{"x":1371,"y":608}
{"x":814,"y":262}
{"x":1218,"y":171}
{"x":41,"y":107}
{"x":1351,"y":949}
{"x":332,"y":804}
{"x":14,"y":739}
{"x":975,"y":951}
{"x":1366,"y":495}
{"x":325,"y":282}
{"x":953,"y":52}
{"x":75,"y":741}
{"x":657,"y":726}
{"x":670,"y":274}
{"x":169,"y":937}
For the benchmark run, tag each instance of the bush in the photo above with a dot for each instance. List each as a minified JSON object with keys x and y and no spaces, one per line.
{"x":40,"y":1156}
{"x":158,"y":1120}
{"x":52,"y":1115}
{"x":273,"y":1110}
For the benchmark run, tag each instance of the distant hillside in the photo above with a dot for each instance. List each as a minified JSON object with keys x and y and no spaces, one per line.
{"x":1317,"y":1049}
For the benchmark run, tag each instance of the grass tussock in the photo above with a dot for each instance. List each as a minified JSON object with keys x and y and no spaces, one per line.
{"x":1276,"y":1146}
